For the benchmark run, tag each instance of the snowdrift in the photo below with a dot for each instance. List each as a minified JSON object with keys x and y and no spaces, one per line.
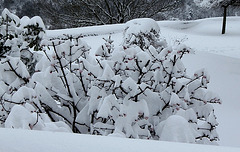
{"x":41,"y":141}
{"x":209,"y":26}
{"x":201,"y":35}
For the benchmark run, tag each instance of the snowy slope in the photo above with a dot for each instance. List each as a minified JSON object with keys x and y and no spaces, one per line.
{"x":40,"y":141}
{"x":225,"y":80}
{"x":87,"y":31}
{"x":219,"y":54}
{"x":202,"y":35}
{"x":205,"y":35}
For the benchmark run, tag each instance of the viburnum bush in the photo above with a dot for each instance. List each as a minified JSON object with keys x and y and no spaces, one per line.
{"x":20,"y":103}
{"x":139,"y":89}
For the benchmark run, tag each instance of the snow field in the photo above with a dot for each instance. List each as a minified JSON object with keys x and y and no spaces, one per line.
{"x":28,"y":141}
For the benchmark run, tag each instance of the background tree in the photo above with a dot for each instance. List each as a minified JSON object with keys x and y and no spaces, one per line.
{"x":75,"y":13}
{"x":89,"y":12}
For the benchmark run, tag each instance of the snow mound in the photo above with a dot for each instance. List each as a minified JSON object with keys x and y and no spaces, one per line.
{"x":22,"y":117}
{"x":141,"y":25}
{"x":36,"y":21}
{"x":177,"y":129}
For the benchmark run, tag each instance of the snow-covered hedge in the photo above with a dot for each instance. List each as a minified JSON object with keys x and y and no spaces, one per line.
{"x":137,"y":90}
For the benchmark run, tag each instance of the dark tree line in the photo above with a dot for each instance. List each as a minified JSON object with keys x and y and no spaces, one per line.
{"x":76,"y":13}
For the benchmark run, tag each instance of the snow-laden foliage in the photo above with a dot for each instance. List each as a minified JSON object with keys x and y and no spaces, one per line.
{"x":32,"y":31}
{"x":59,"y":78}
{"x":25,"y":117}
{"x":18,"y":36}
{"x":139,"y":89}
{"x":15,"y":78}
{"x":143,"y":33}
{"x":140,"y":85}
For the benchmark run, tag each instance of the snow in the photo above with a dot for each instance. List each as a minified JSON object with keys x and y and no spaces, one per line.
{"x":106,"y":105}
{"x":6,"y":13}
{"x":207,"y":3}
{"x":28,"y":141}
{"x":205,"y":35}
{"x":22,"y":117}
{"x":87,"y":31}
{"x":140,"y":25}
{"x":176,"y":128}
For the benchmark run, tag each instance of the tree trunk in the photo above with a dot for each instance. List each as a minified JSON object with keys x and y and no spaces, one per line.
{"x":224,"y":20}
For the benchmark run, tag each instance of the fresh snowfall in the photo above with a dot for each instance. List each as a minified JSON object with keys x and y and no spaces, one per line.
{"x":168,"y":85}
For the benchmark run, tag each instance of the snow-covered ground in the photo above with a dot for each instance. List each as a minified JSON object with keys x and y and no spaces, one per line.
{"x":219,"y":54}
{"x":205,"y":35}
{"x":41,"y":141}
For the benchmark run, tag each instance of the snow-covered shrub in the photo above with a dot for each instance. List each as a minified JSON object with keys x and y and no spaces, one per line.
{"x":13,"y":75}
{"x":16,"y":87}
{"x":106,"y":49}
{"x":61,"y":84}
{"x":9,"y":42}
{"x":21,"y":106}
{"x":17,"y":36}
{"x":141,"y":32}
{"x":32,"y":31}
{"x":142,"y":83}
{"x":139,"y":89}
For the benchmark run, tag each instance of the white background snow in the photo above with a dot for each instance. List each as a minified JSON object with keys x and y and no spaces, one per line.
{"x":219,"y":54}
